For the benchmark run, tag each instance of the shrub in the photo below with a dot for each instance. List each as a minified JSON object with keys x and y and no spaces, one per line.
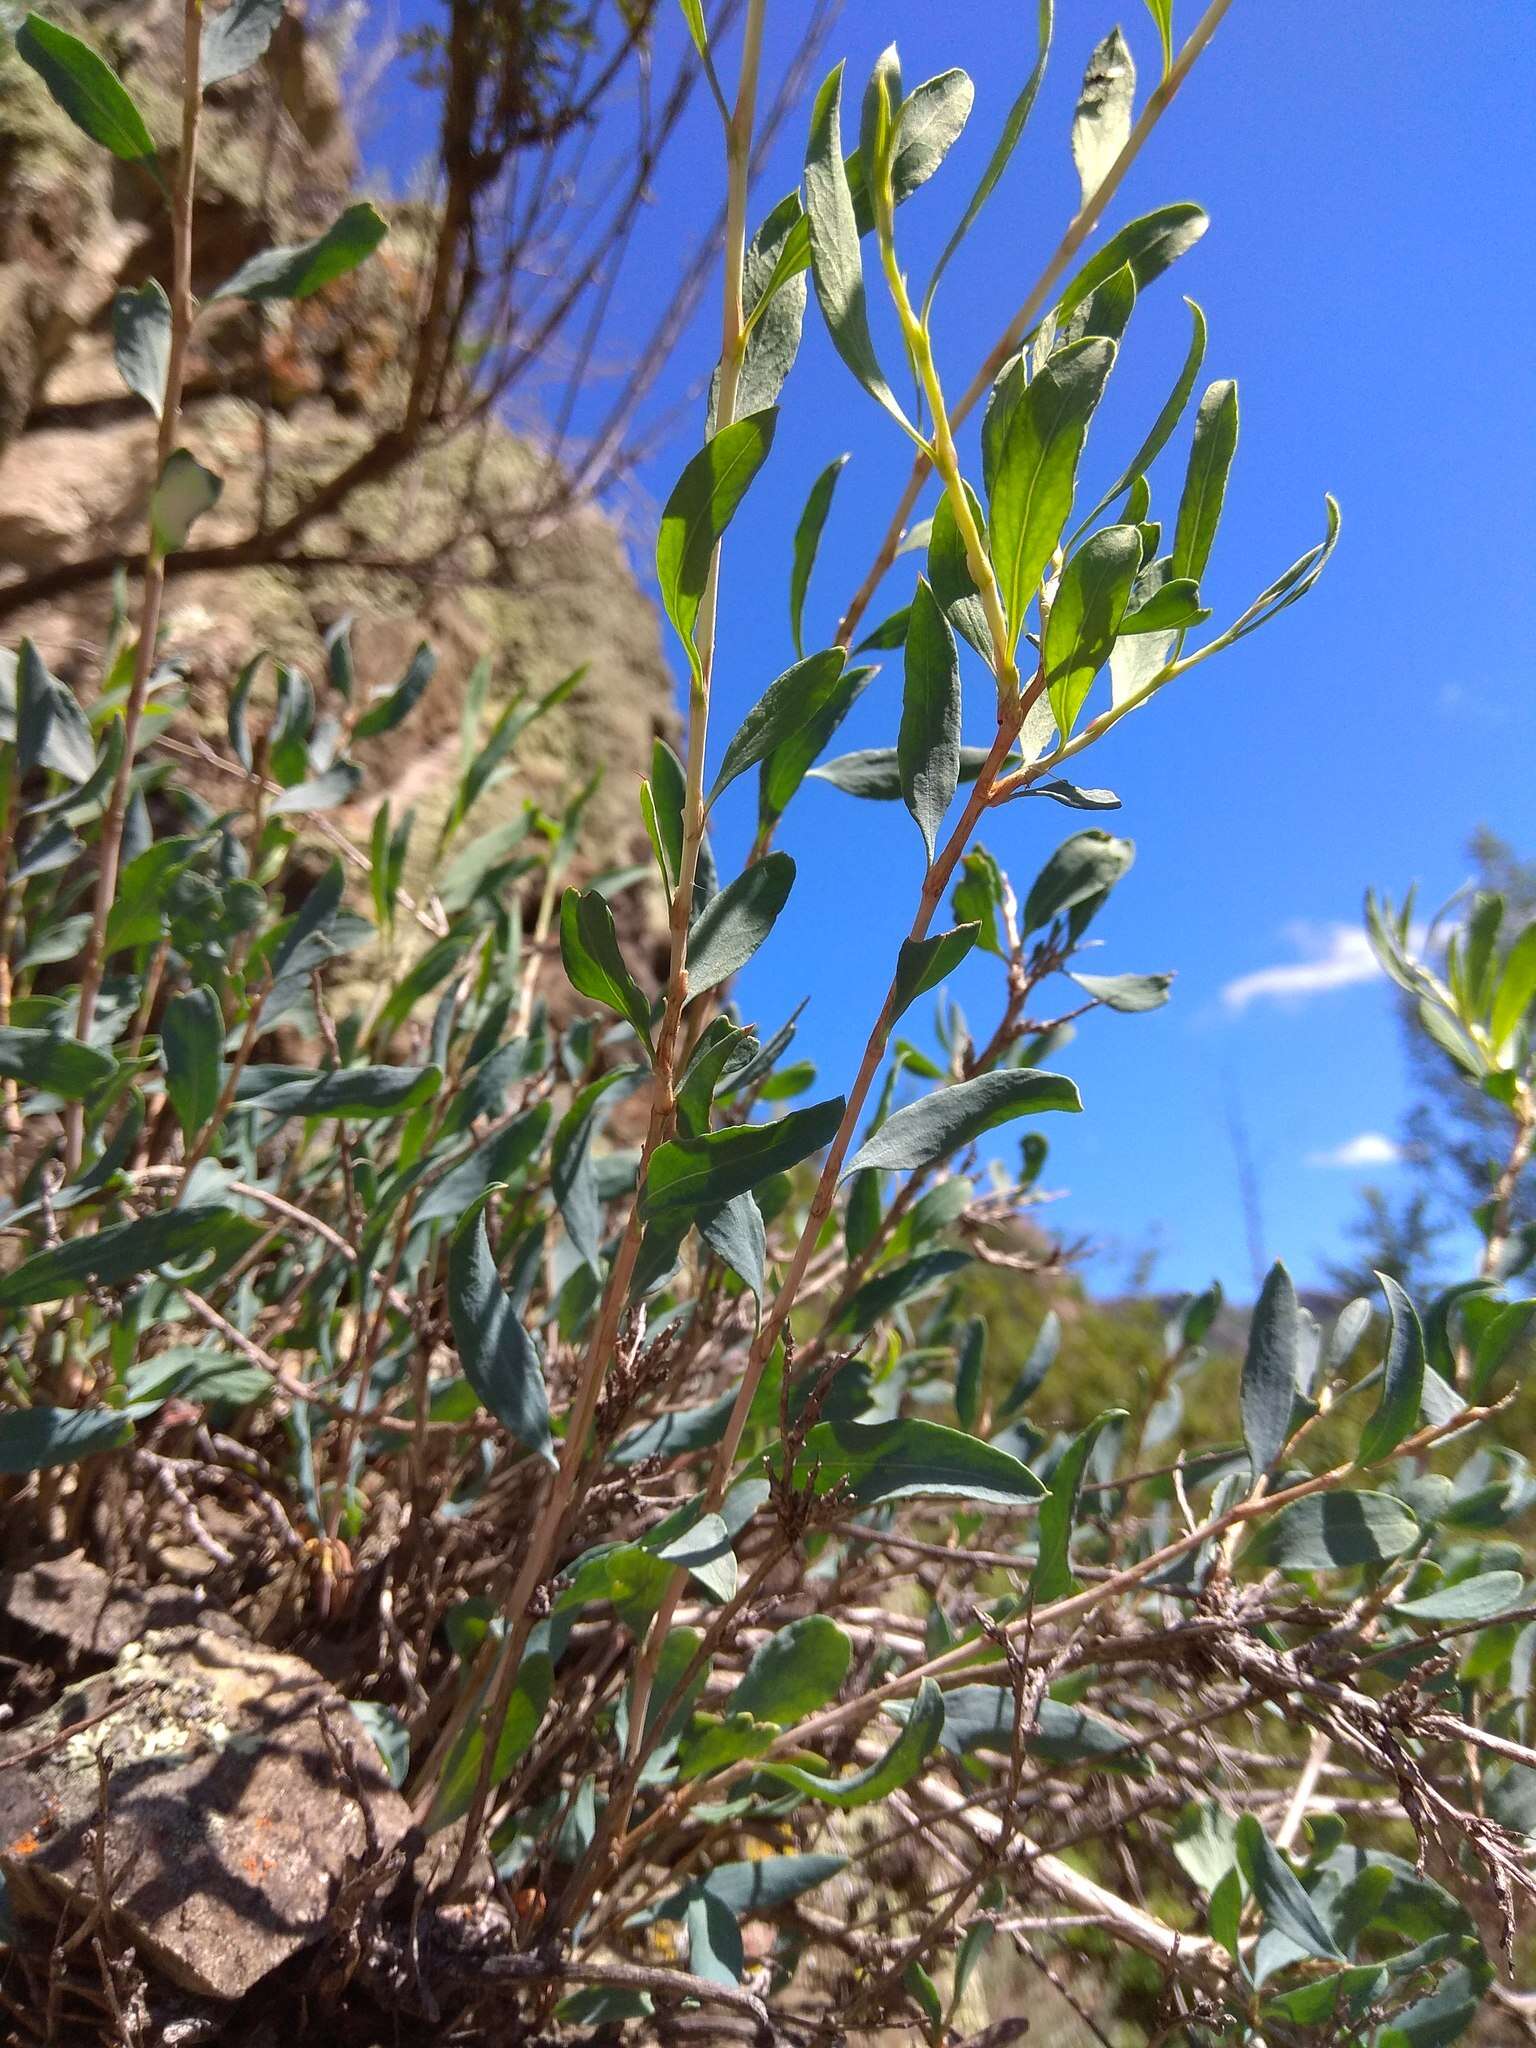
{"x":686,"y":1570}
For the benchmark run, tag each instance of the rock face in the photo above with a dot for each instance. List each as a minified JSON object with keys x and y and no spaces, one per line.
{"x":279,"y":399}
{"x":225,"y":1810}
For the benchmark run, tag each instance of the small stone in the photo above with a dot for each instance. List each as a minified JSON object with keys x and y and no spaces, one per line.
{"x":223,"y":1802}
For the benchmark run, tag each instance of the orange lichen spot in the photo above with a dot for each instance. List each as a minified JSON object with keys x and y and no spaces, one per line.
{"x":24,"y":1845}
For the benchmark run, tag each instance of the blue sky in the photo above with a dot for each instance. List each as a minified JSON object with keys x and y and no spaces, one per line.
{"x":1366,"y":173}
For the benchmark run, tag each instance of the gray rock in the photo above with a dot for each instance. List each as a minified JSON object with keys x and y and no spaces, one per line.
{"x":223,"y":1803}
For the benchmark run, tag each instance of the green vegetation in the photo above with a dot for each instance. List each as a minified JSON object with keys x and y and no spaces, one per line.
{"x":678,"y":1473}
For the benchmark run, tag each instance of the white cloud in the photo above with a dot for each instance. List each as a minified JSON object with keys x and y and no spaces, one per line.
{"x":1371,"y":1148}
{"x":1333,"y":956}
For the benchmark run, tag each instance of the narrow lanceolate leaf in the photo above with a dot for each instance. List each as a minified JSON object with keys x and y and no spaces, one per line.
{"x":1053,"y":1578}
{"x":1402,"y":1386}
{"x":500,"y":1359}
{"x":949,"y":571}
{"x":141,"y":342}
{"x":1167,"y":419}
{"x":1278,"y":1893}
{"x":62,"y":1066}
{"x":997,"y":163}
{"x":1085,"y":618}
{"x":1037,"y":469}
{"x":837,"y":266}
{"x":594,"y":964}
{"x":192,"y":1047}
{"x":732,"y":925}
{"x":1149,"y":245}
{"x":703,"y":502}
{"x":237,"y":38}
{"x":342,"y":1091}
{"x":1101,"y":126}
{"x":690,"y":1175}
{"x":1205,"y":481}
{"x":951,"y":1118}
{"x":1269,"y":1370}
{"x":186,"y":491}
{"x":807,"y":540}
{"x":783,"y":771}
{"x":303,"y":268}
{"x":875,"y":772}
{"x":928,"y":745}
{"x":88,"y":90}
{"x":1082,"y":868}
{"x":900,"y":1764}
{"x":923,"y":963}
{"x":786,"y":707}
{"x":572,"y":1174}
{"x":1128,"y":993}
{"x":396,"y":705}
{"x":123,"y":1251}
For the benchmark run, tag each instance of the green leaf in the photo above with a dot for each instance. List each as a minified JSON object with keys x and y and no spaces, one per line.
{"x":970,"y":1364}
{"x":798,"y":1669}
{"x":1205,"y":481}
{"x":184,"y":493}
{"x":192,"y":1048}
{"x":875,"y":772}
{"x":808,"y":531}
{"x":715,"y":1949}
{"x":500,"y":1359}
{"x":88,"y":90}
{"x":51,"y":730}
{"x":997,"y":163}
{"x":949,"y":571}
{"x":1101,"y":124}
{"x":122,"y":1252}
{"x":733,"y":924}
{"x":756,"y":1888}
{"x":237,"y":38}
{"x":701,"y":507}
{"x":338,"y":785}
{"x":693,"y":15}
{"x":594,"y":964}
{"x":339,"y":1091}
{"x":62,"y":1066}
{"x":1332,"y":1531}
{"x":691,"y":1175}
{"x":1161,"y":12}
{"x":1269,"y":1370}
{"x":36,"y":1439}
{"x":982,"y":1717}
{"x":1495,"y":1341}
{"x":572,"y":1175}
{"x":301,"y":269}
{"x":1278,"y":1893}
{"x":837,"y":266}
{"x":899,"y":1766}
{"x":923,"y":963}
{"x":397,"y":704}
{"x":893,"y":1285}
{"x":787,"y":766}
{"x":141,"y":342}
{"x":1053,"y":1578}
{"x":1516,"y":989}
{"x":1128,"y":993}
{"x":1402,"y":1389}
{"x":735,"y":1232}
{"x":1037,"y":469}
{"x":1149,"y":245}
{"x":1079,"y":872}
{"x":928,"y":747}
{"x":909,"y":1459}
{"x":786,"y":707}
{"x":773,"y":296}
{"x":951,"y":1118}
{"x":1085,"y":617}
{"x":1169,"y":417}
{"x":1480,"y":1598}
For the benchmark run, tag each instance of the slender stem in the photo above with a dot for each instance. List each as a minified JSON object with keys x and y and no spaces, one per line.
{"x":1508,"y":1181}
{"x":554,"y":1520}
{"x":1034,"y":305}
{"x":110,"y":846}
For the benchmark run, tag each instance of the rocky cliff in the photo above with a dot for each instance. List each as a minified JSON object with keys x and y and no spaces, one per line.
{"x":279,"y":399}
